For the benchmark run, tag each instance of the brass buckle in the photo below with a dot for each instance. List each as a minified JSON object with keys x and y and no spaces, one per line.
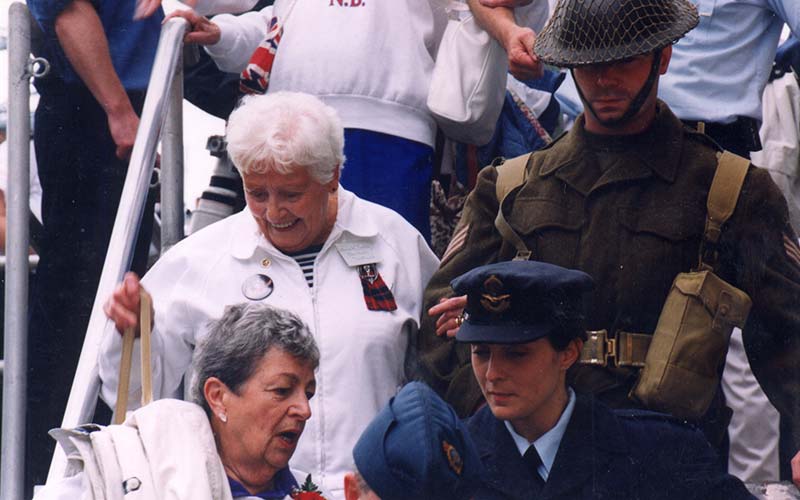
{"x":598,"y":348}
{"x":632,"y":349}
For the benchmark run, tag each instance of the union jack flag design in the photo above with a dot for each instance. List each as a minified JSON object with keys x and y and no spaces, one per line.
{"x":255,"y":77}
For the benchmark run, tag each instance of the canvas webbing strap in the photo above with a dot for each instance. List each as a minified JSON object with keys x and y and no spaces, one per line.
{"x":511,"y":175}
{"x":722,"y":198}
{"x":145,"y":326}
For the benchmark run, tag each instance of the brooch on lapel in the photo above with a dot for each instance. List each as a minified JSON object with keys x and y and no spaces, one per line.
{"x":376,"y":294}
{"x":308,"y":491}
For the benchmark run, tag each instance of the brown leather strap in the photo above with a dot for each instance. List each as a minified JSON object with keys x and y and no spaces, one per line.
{"x":145,"y":324}
{"x":626,"y":349}
{"x":511,"y":175}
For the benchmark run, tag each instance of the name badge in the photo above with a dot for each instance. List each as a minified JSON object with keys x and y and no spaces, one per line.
{"x":357,"y":252}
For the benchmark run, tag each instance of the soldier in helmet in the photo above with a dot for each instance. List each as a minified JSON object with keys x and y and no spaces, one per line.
{"x":623,"y":196}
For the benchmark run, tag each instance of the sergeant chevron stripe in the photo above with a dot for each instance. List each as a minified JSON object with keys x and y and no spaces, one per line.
{"x":457,"y":242}
{"x":792,"y":250}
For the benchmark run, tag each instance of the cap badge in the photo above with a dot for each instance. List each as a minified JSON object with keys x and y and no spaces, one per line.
{"x":494,"y":300}
{"x":453,"y":458}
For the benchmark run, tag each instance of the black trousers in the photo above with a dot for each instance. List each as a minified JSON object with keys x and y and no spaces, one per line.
{"x":740,"y":137}
{"x":82,"y":180}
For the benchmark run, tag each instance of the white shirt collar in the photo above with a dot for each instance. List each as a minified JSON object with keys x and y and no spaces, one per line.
{"x":247,"y":235}
{"x":548,"y":443}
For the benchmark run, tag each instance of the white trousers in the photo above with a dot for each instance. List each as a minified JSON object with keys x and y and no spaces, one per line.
{"x":754,"y":428}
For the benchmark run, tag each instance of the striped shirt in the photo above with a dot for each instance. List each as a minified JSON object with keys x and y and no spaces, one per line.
{"x":305,"y":258}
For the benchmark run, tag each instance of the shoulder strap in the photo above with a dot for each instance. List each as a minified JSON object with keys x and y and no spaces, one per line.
{"x":146,"y":308}
{"x":510,"y":175}
{"x":722,"y":198}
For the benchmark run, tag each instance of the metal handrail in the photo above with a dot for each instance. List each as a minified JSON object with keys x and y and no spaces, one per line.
{"x":86,"y":385}
{"x":12,"y":473}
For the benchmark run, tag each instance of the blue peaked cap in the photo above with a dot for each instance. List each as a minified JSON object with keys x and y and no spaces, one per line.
{"x":416,"y":448}
{"x":518,"y":301}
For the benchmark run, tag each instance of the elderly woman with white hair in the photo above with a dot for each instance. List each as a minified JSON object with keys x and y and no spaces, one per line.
{"x":353,"y":270}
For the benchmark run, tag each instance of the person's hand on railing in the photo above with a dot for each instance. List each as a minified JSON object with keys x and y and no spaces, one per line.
{"x":450,"y":311}
{"x":201,"y":30}
{"x":123,"y":306}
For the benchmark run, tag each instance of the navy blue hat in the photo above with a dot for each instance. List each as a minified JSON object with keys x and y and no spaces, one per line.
{"x":416,"y":448}
{"x":519,"y":301}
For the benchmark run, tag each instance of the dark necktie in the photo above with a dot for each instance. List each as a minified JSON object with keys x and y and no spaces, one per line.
{"x":532,"y":462}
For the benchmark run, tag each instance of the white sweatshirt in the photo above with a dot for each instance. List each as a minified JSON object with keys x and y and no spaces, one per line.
{"x":371,"y":60}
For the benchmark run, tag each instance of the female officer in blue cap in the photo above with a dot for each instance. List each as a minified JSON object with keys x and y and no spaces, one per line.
{"x":535,"y":436}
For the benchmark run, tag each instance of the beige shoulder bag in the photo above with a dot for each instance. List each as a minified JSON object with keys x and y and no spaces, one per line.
{"x":684,"y":360}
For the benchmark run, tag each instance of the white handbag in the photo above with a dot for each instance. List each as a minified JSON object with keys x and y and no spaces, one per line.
{"x":469,"y":80}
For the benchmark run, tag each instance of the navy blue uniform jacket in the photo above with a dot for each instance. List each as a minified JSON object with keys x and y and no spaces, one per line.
{"x":607,"y":454}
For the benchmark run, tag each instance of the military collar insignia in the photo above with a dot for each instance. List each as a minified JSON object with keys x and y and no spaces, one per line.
{"x":494,"y":300}
{"x":454,"y":460}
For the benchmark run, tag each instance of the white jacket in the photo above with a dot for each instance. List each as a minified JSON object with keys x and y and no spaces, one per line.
{"x":780,"y":137}
{"x":164,"y":451}
{"x":362,"y":351}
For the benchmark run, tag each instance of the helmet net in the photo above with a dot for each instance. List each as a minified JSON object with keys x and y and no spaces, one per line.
{"x":596,"y":31}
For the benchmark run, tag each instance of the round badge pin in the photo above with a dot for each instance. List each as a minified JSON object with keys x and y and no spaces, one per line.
{"x":258,"y":287}
{"x":265,"y":262}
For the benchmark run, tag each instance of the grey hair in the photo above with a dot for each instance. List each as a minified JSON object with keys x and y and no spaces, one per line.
{"x":281,"y":131}
{"x":239,"y":340}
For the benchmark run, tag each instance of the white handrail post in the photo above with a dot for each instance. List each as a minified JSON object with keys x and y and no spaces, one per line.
{"x":172,"y":165}
{"x":12,"y":477}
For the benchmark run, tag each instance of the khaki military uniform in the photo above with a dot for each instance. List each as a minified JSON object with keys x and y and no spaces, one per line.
{"x":630,"y":212}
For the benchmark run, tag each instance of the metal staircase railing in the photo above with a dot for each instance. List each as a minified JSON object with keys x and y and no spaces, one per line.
{"x":161,"y":116}
{"x":12,"y":463}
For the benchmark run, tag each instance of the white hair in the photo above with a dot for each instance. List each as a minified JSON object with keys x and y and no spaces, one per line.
{"x":285,"y":130}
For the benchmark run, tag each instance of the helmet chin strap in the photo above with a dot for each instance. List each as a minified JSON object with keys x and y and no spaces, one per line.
{"x":637,"y":102}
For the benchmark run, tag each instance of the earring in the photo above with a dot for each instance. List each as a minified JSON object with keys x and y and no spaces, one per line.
{"x":223,"y":417}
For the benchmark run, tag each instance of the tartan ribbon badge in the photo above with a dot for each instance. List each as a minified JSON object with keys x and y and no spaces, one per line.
{"x":255,"y":77}
{"x":376,"y":294}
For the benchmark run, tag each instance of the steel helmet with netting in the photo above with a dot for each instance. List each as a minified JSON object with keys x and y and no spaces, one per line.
{"x":584,"y":32}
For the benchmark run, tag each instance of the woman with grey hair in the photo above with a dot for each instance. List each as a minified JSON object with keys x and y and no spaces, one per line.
{"x":254,"y":377}
{"x":353,"y":270}
{"x":254,"y":381}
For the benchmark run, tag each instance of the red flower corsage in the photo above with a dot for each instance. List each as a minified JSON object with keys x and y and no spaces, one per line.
{"x":308,"y":491}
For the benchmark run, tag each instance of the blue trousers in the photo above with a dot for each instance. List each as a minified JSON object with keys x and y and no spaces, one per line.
{"x":390,"y":171}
